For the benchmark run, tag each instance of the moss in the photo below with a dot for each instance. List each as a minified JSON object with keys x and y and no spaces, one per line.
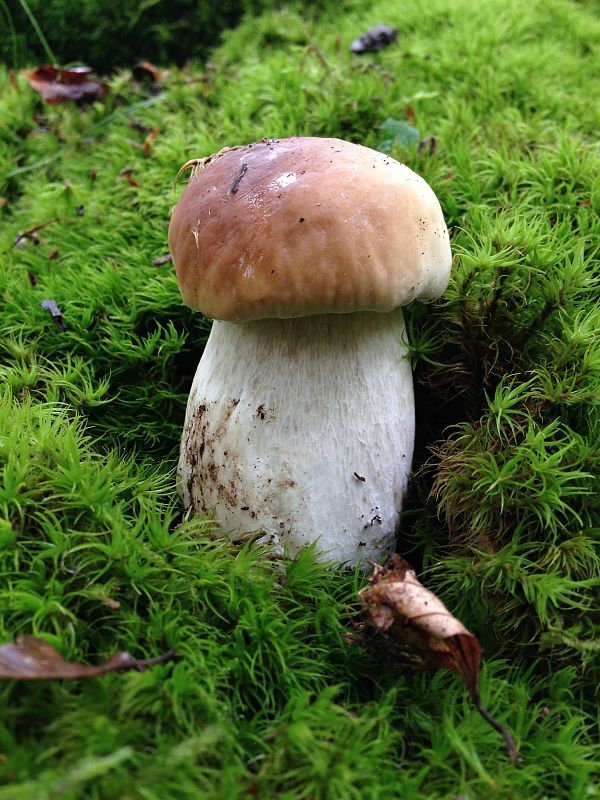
{"x":267,"y":699}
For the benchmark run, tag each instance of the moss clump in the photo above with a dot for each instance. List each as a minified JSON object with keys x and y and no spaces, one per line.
{"x":267,"y":699}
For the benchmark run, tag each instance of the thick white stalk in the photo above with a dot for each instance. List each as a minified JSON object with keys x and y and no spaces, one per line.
{"x":303,"y":428}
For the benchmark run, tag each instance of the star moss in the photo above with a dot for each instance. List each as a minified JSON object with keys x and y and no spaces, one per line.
{"x":267,"y":698}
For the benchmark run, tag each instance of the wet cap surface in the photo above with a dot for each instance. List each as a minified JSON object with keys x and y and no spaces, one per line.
{"x":301,"y":226}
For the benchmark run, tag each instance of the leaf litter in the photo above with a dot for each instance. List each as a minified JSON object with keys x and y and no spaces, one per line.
{"x":33,"y":659}
{"x":58,"y":85}
{"x":417,"y":630}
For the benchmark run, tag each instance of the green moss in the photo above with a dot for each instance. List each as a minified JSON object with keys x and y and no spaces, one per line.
{"x":267,"y":699}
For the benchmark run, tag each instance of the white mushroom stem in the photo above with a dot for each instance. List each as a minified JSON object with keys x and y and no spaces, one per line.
{"x":303,"y":428}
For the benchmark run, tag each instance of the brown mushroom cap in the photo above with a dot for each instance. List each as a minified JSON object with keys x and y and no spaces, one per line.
{"x":300,"y":226}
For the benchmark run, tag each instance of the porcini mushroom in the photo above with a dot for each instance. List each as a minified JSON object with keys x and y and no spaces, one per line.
{"x":300,"y":420}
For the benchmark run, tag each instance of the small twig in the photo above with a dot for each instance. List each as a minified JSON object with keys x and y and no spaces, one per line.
{"x":236,"y":182}
{"x":513,"y":753}
{"x":143,"y":664}
{"x":29,"y":234}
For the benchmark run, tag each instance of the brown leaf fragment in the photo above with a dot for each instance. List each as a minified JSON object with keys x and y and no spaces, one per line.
{"x":144,"y":70}
{"x":57,"y":85}
{"x":31,"y":234}
{"x":428,"y":145}
{"x":126,"y":174}
{"x":32,"y":278}
{"x":410,"y":114}
{"x":55,"y":312}
{"x":415,"y":619}
{"x":376,"y":38}
{"x":417,"y":629}
{"x":149,"y":141}
{"x":161,"y":260}
{"x":32,"y":659}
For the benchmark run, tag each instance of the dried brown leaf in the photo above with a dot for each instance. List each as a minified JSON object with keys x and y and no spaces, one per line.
{"x":417,"y":629}
{"x":32,"y":659}
{"x":126,"y":173}
{"x":416,"y":621}
{"x":428,"y":145}
{"x":145,"y":70}
{"x":57,"y":85}
{"x":149,"y":141}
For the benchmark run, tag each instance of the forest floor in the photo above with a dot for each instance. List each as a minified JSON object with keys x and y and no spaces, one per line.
{"x":493,"y":103}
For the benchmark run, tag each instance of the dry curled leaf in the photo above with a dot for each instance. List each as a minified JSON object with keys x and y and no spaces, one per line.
{"x":416,"y":621}
{"x":57,"y":85}
{"x":417,"y":629}
{"x":32,"y":659}
{"x":149,"y":141}
{"x":145,"y":70}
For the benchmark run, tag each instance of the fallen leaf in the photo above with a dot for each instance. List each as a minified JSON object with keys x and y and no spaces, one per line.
{"x":414,"y":618}
{"x":410,"y":114}
{"x":397,"y":133}
{"x":145,"y":70}
{"x":32,"y":278}
{"x":376,"y":38}
{"x":149,"y":141}
{"x":417,"y":630}
{"x":32,"y":659}
{"x":161,"y":260}
{"x":428,"y":145}
{"x":57,"y":85}
{"x":55,"y":313}
{"x":126,"y":173}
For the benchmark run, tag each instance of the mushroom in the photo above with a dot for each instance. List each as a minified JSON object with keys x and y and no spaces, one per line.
{"x":300,"y":420}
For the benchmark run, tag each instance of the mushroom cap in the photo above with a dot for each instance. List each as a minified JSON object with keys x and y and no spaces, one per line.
{"x":300,"y":226}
